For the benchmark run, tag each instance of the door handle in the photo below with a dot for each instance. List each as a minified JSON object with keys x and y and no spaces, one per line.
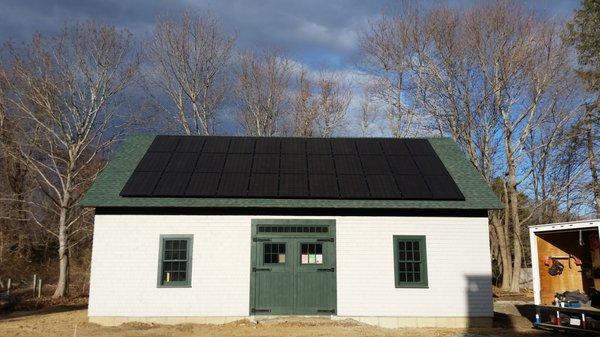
{"x":326,"y":269}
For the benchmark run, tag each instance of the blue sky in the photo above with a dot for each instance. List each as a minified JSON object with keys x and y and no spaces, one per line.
{"x":319,"y":33}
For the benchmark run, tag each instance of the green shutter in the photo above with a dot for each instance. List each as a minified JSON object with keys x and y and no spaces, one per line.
{"x":175,"y":261}
{"x":410,"y":261}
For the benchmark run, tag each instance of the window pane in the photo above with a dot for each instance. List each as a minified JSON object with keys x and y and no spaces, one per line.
{"x":274,"y":253}
{"x":410,"y":261}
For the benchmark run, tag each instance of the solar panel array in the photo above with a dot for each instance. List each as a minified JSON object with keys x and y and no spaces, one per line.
{"x":327,"y":168}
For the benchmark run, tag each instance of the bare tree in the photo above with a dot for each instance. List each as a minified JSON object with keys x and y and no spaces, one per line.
{"x":188,"y":58}
{"x":262,"y":92}
{"x":368,"y":115}
{"x":495,"y":78}
{"x":389,"y":46}
{"x":66,"y":92}
{"x":320,"y":105}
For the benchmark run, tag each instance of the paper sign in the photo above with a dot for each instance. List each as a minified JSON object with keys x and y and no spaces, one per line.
{"x":281,"y":258}
{"x":311,"y":259}
{"x":319,"y":259}
{"x":304,"y":258}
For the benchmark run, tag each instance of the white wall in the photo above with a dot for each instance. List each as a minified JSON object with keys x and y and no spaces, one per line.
{"x":125,"y":264}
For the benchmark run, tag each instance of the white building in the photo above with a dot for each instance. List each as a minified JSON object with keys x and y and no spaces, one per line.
{"x":392,"y":232}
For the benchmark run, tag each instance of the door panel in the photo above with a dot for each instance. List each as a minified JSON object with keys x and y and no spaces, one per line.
{"x":315,"y":277}
{"x":294,"y":273}
{"x":274,"y":279}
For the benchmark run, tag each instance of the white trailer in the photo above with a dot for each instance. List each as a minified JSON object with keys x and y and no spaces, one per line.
{"x":565,"y":257}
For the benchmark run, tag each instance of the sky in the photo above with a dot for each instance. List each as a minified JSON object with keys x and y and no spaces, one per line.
{"x":320,"y":35}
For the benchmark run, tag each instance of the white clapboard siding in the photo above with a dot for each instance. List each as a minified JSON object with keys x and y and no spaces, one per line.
{"x":125,"y":265}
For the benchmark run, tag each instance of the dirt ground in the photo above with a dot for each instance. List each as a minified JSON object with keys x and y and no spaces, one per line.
{"x":67,"y":321}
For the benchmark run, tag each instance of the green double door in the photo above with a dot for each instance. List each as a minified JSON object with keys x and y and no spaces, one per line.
{"x":293,"y":273}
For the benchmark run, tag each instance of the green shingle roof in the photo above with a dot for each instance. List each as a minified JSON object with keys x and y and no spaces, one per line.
{"x":105,"y":191}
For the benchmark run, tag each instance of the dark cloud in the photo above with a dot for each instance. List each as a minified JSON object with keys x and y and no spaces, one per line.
{"x":321,"y":33}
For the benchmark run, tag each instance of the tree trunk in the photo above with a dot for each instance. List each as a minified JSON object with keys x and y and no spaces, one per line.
{"x":513,"y":204}
{"x":497,"y":224}
{"x":62,"y":287}
{"x":592,"y":161}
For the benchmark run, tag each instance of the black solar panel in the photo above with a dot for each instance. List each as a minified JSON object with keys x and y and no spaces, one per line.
{"x":233,"y":184}
{"x":267,"y":145}
{"x":203,"y":184}
{"x":348,"y":165}
{"x":263,"y":184}
{"x":293,"y":163}
{"x":238,"y":163}
{"x":293,"y":185}
{"x":164,"y":144}
{"x":343,"y":168}
{"x":374,"y":164}
{"x":266,"y":163}
{"x":210,"y":162}
{"x":293,"y":146}
{"x":172,"y":184}
{"x":183,"y":162}
{"x":190,"y":144}
{"x":216,"y":145}
{"x":323,"y":186}
{"x":154,"y":162}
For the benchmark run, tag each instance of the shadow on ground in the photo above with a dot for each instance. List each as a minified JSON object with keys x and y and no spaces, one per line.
{"x":43,"y":311}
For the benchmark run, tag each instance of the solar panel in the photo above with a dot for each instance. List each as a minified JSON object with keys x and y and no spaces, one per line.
{"x":140,"y":183}
{"x":418,"y":146}
{"x":267,"y":145}
{"x":216,"y":145}
{"x":403,"y":165}
{"x":320,"y":164}
{"x":183,"y":162}
{"x":441,"y":188}
{"x":293,"y":163}
{"x":154,"y":162}
{"x":323,"y":186}
{"x":164,"y":144}
{"x":413,"y":187}
{"x":241,"y":145}
{"x":205,"y":166}
{"x":293,"y":146}
{"x":293,"y":185}
{"x":348,"y":165}
{"x":318,"y":146}
{"x":172,"y":184}
{"x":233,"y":185}
{"x":265,"y":163}
{"x":429,"y":165}
{"x":369,"y":146}
{"x":203,"y":185}
{"x":343,"y":146}
{"x":383,"y":187}
{"x":352,"y":186}
{"x":210,"y":162}
{"x":394,"y":147}
{"x":190,"y":144}
{"x":374,"y":164}
{"x":238,"y":163}
{"x":263,"y":184}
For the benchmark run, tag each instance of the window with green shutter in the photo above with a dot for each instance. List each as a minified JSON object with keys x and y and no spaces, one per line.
{"x":175,"y":261}
{"x":410,"y":261}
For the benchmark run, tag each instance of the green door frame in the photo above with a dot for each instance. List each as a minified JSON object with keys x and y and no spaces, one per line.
{"x":257,"y":237}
